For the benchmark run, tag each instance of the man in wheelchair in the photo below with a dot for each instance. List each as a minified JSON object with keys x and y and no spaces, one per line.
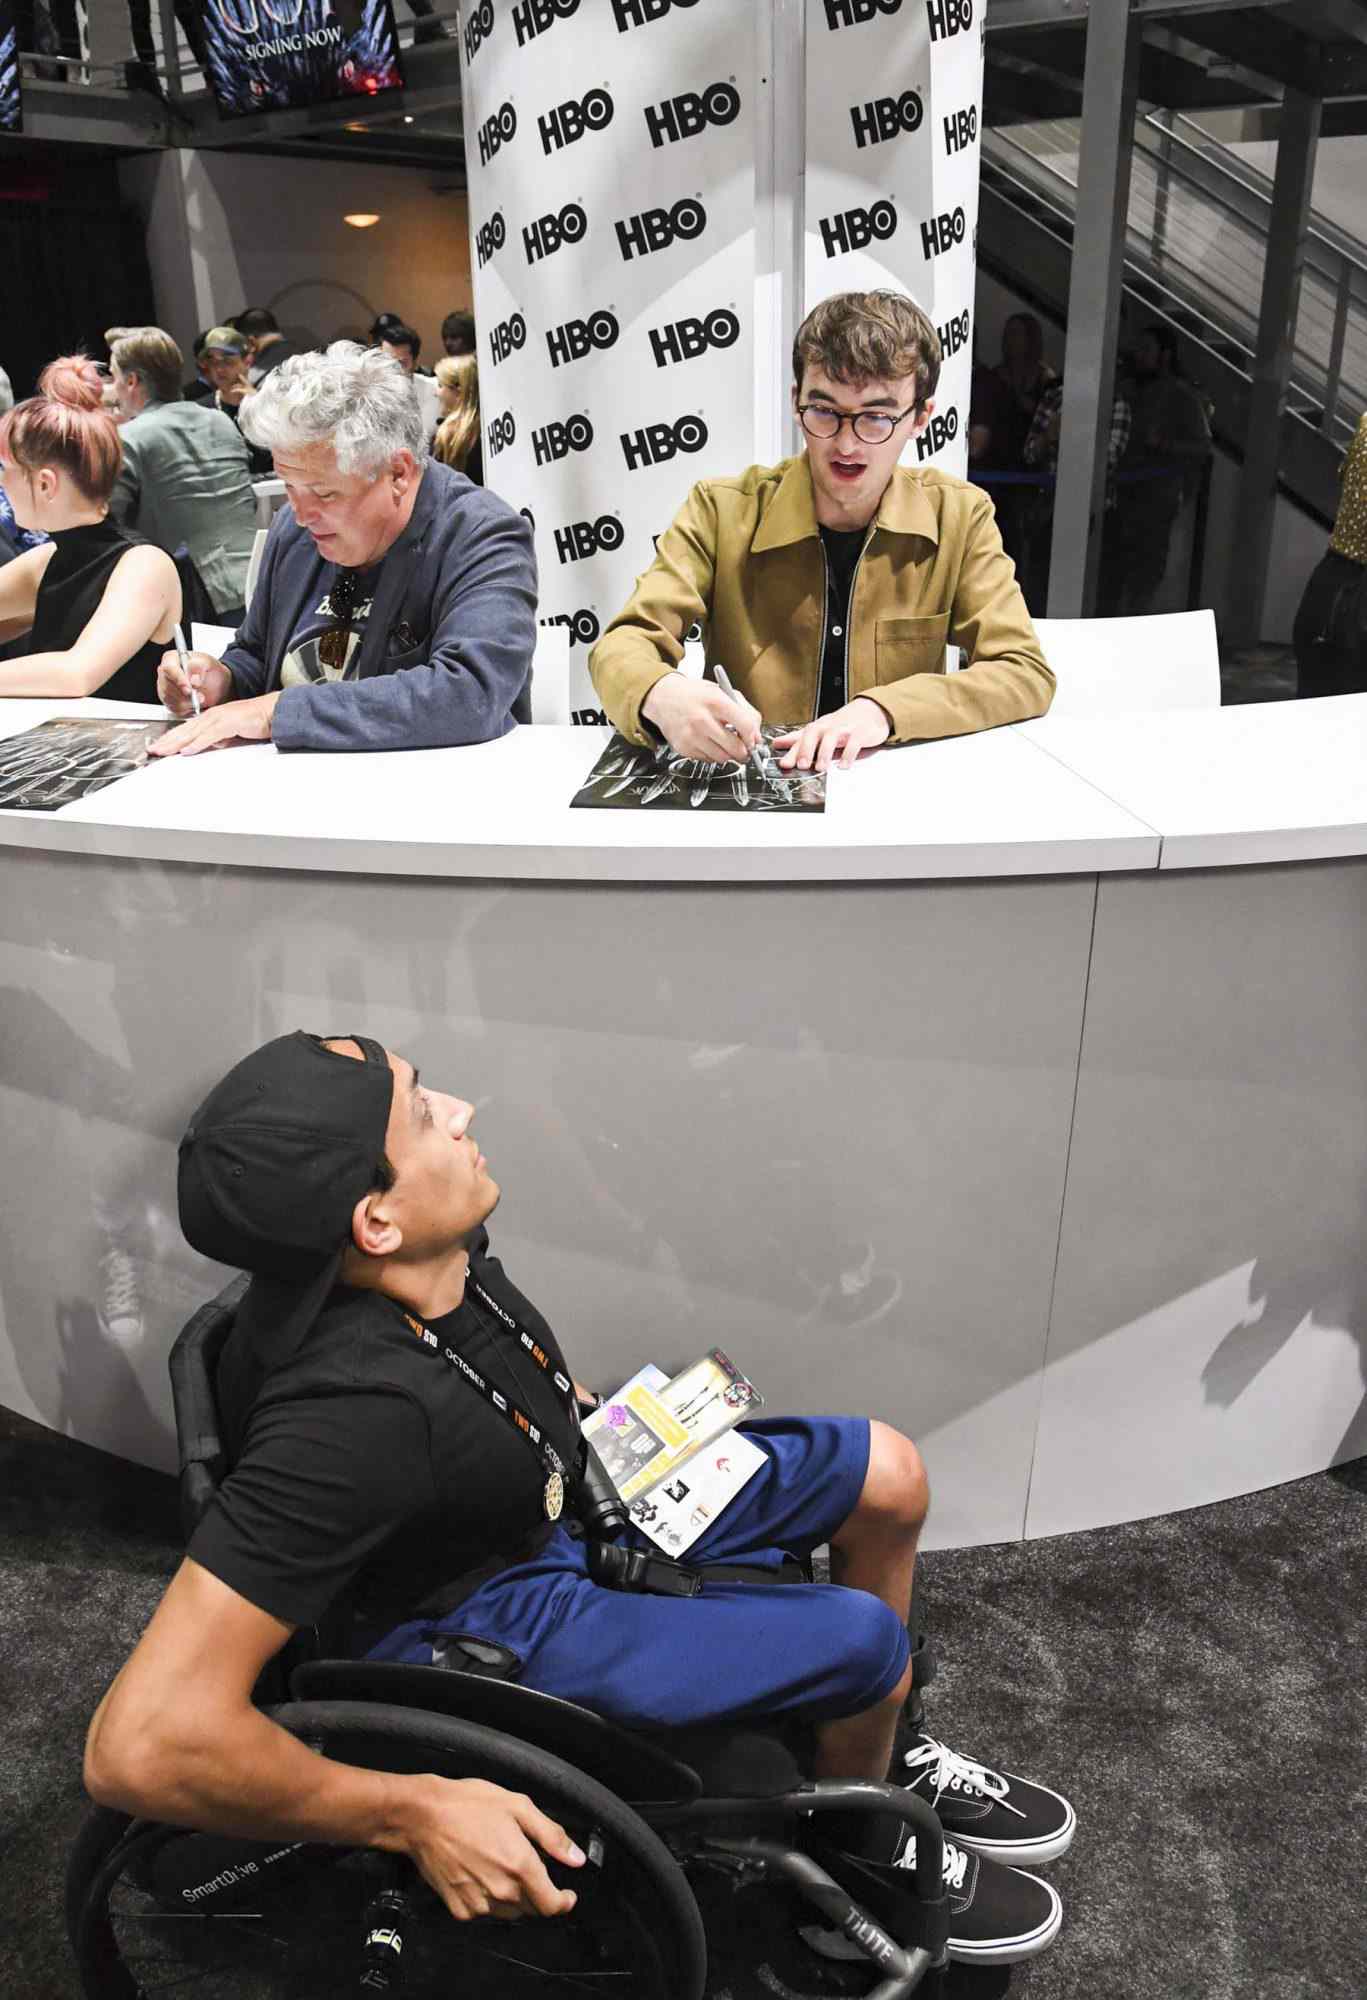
{"x":403,"y":1436}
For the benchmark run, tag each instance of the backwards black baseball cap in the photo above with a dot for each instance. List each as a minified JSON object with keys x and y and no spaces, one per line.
{"x":272,"y":1166}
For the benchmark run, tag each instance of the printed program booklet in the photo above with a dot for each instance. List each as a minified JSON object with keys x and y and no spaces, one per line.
{"x":653,"y":1438}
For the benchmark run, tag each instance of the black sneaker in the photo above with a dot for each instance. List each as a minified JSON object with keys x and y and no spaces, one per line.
{"x":994,"y":1813}
{"x":997,"y":1916}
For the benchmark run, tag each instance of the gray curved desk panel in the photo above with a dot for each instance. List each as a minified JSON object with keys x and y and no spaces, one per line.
{"x":960,"y":1105}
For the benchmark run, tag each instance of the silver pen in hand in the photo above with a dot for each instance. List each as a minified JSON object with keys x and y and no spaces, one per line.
{"x":762,"y":757}
{"x":181,"y":650}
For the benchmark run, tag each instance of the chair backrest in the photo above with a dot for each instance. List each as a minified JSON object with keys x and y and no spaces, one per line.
{"x":551,"y":674}
{"x":270,"y":498}
{"x":214,"y":639}
{"x":203,"y":1460}
{"x":193,"y":1362}
{"x":1117,"y":666}
{"x":254,"y":564}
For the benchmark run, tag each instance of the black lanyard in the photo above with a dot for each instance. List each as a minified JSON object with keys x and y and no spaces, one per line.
{"x":552,"y":1464}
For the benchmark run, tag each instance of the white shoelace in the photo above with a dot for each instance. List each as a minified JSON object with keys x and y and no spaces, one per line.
{"x":952,"y":1773}
{"x":955,"y":1862}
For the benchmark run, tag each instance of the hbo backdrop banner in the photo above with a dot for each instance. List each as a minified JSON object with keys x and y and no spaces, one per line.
{"x":11,"y":112}
{"x":894,"y":90}
{"x":610,"y":153}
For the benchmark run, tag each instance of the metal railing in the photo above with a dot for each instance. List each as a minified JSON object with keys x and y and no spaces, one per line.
{"x":1197,"y":229}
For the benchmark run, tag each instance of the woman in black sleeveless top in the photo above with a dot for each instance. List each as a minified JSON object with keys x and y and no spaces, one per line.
{"x":97,"y":604}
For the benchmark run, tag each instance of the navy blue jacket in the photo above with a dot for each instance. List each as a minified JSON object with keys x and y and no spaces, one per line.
{"x":447,"y":650}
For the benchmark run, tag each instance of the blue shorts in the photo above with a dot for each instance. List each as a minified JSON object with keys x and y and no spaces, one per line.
{"x":741,"y":1650}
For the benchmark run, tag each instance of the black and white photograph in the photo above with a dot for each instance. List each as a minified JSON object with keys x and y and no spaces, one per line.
{"x":629,"y":778}
{"x":53,"y":765}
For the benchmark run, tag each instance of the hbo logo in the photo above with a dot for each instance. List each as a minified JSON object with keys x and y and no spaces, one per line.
{"x":942,"y":232}
{"x":575,"y":338}
{"x":939,"y":432}
{"x":884,"y":117}
{"x":578,"y":539}
{"x":533,"y":17}
{"x":657,"y":443}
{"x":566,"y":122}
{"x":501,"y":433}
{"x":479,"y":25}
{"x":490,"y":236}
{"x":544,"y":237}
{"x":554,"y":441}
{"x":961,"y":129}
{"x":685,"y":116}
{"x":856,"y":228}
{"x":686,"y":339}
{"x":854,"y":13}
{"x":948,"y":17}
{"x":583,"y":626}
{"x":507,"y":337}
{"x":954,"y":334}
{"x":630,"y":14}
{"x":496,"y":131}
{"x":656,"y":228}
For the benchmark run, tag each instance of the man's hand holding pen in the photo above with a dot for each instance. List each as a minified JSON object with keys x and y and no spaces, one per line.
{"x":698,"y":719}
{"x":180,"y":673}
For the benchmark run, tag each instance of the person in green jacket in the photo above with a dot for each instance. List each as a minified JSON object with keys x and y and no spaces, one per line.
{"x":185,"y":477}
{"x":828,"y":586}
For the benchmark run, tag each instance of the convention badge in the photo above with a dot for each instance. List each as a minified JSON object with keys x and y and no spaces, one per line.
{"x":553,"y":1498}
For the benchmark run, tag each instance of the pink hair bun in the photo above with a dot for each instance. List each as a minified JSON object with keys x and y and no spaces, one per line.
{"x":72,"y":379}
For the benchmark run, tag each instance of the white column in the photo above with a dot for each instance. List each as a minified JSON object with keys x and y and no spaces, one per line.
{"x":644,"y":178}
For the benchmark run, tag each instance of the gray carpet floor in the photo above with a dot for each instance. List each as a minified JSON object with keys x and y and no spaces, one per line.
{"x":1194,"y":1684}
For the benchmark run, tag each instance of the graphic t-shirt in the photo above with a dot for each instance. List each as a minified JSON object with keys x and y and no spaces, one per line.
{"x":302,"y":664}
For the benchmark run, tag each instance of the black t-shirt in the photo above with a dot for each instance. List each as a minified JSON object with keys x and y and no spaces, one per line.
{"x":367,"y":1459}
{"x":843,"y":548}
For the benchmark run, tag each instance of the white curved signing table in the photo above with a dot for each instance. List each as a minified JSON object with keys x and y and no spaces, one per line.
{"x":1019,"y":1099}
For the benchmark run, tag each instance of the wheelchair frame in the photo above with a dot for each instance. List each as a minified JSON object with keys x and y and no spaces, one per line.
{"x":680,"y":1788}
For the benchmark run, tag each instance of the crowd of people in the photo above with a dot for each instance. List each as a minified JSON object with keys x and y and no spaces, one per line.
{"x":110,"y":458}
{"x":1159,"y":446}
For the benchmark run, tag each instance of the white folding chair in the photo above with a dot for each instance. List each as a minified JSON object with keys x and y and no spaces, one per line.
{"x":1118,"y":666}
{"x":212,"y":639}
{"x":254,"y":564}
{"x":270,"y":498}
{"x":551,"y":674}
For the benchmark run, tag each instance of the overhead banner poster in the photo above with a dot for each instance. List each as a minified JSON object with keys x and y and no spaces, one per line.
{"x":610,"y":156}
{"x":272,"y":55}
{"x":11,"y":107}
{"x":894,"y":97}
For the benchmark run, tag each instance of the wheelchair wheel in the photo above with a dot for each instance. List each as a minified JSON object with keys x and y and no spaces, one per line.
{"x":153,"y":1909}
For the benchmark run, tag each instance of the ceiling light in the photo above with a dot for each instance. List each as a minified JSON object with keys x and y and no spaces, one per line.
{"x":361,"y":221}
{"x":408,"y":118}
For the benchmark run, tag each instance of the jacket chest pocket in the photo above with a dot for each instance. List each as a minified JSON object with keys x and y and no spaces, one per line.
{"x":905,"y":646}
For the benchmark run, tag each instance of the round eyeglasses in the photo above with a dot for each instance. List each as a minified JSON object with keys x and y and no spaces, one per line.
{"x":819,"y":420}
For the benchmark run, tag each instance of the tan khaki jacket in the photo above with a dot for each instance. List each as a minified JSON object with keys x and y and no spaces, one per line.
{"x":744,"y":558}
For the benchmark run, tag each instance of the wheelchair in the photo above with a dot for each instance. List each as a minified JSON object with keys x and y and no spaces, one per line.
{"x":152,"y":1909}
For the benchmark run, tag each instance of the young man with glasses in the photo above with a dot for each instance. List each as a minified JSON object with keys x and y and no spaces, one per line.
{"x":829,"y":586}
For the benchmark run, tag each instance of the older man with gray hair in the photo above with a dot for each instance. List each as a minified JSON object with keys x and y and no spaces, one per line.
{"x":396,"y":603}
